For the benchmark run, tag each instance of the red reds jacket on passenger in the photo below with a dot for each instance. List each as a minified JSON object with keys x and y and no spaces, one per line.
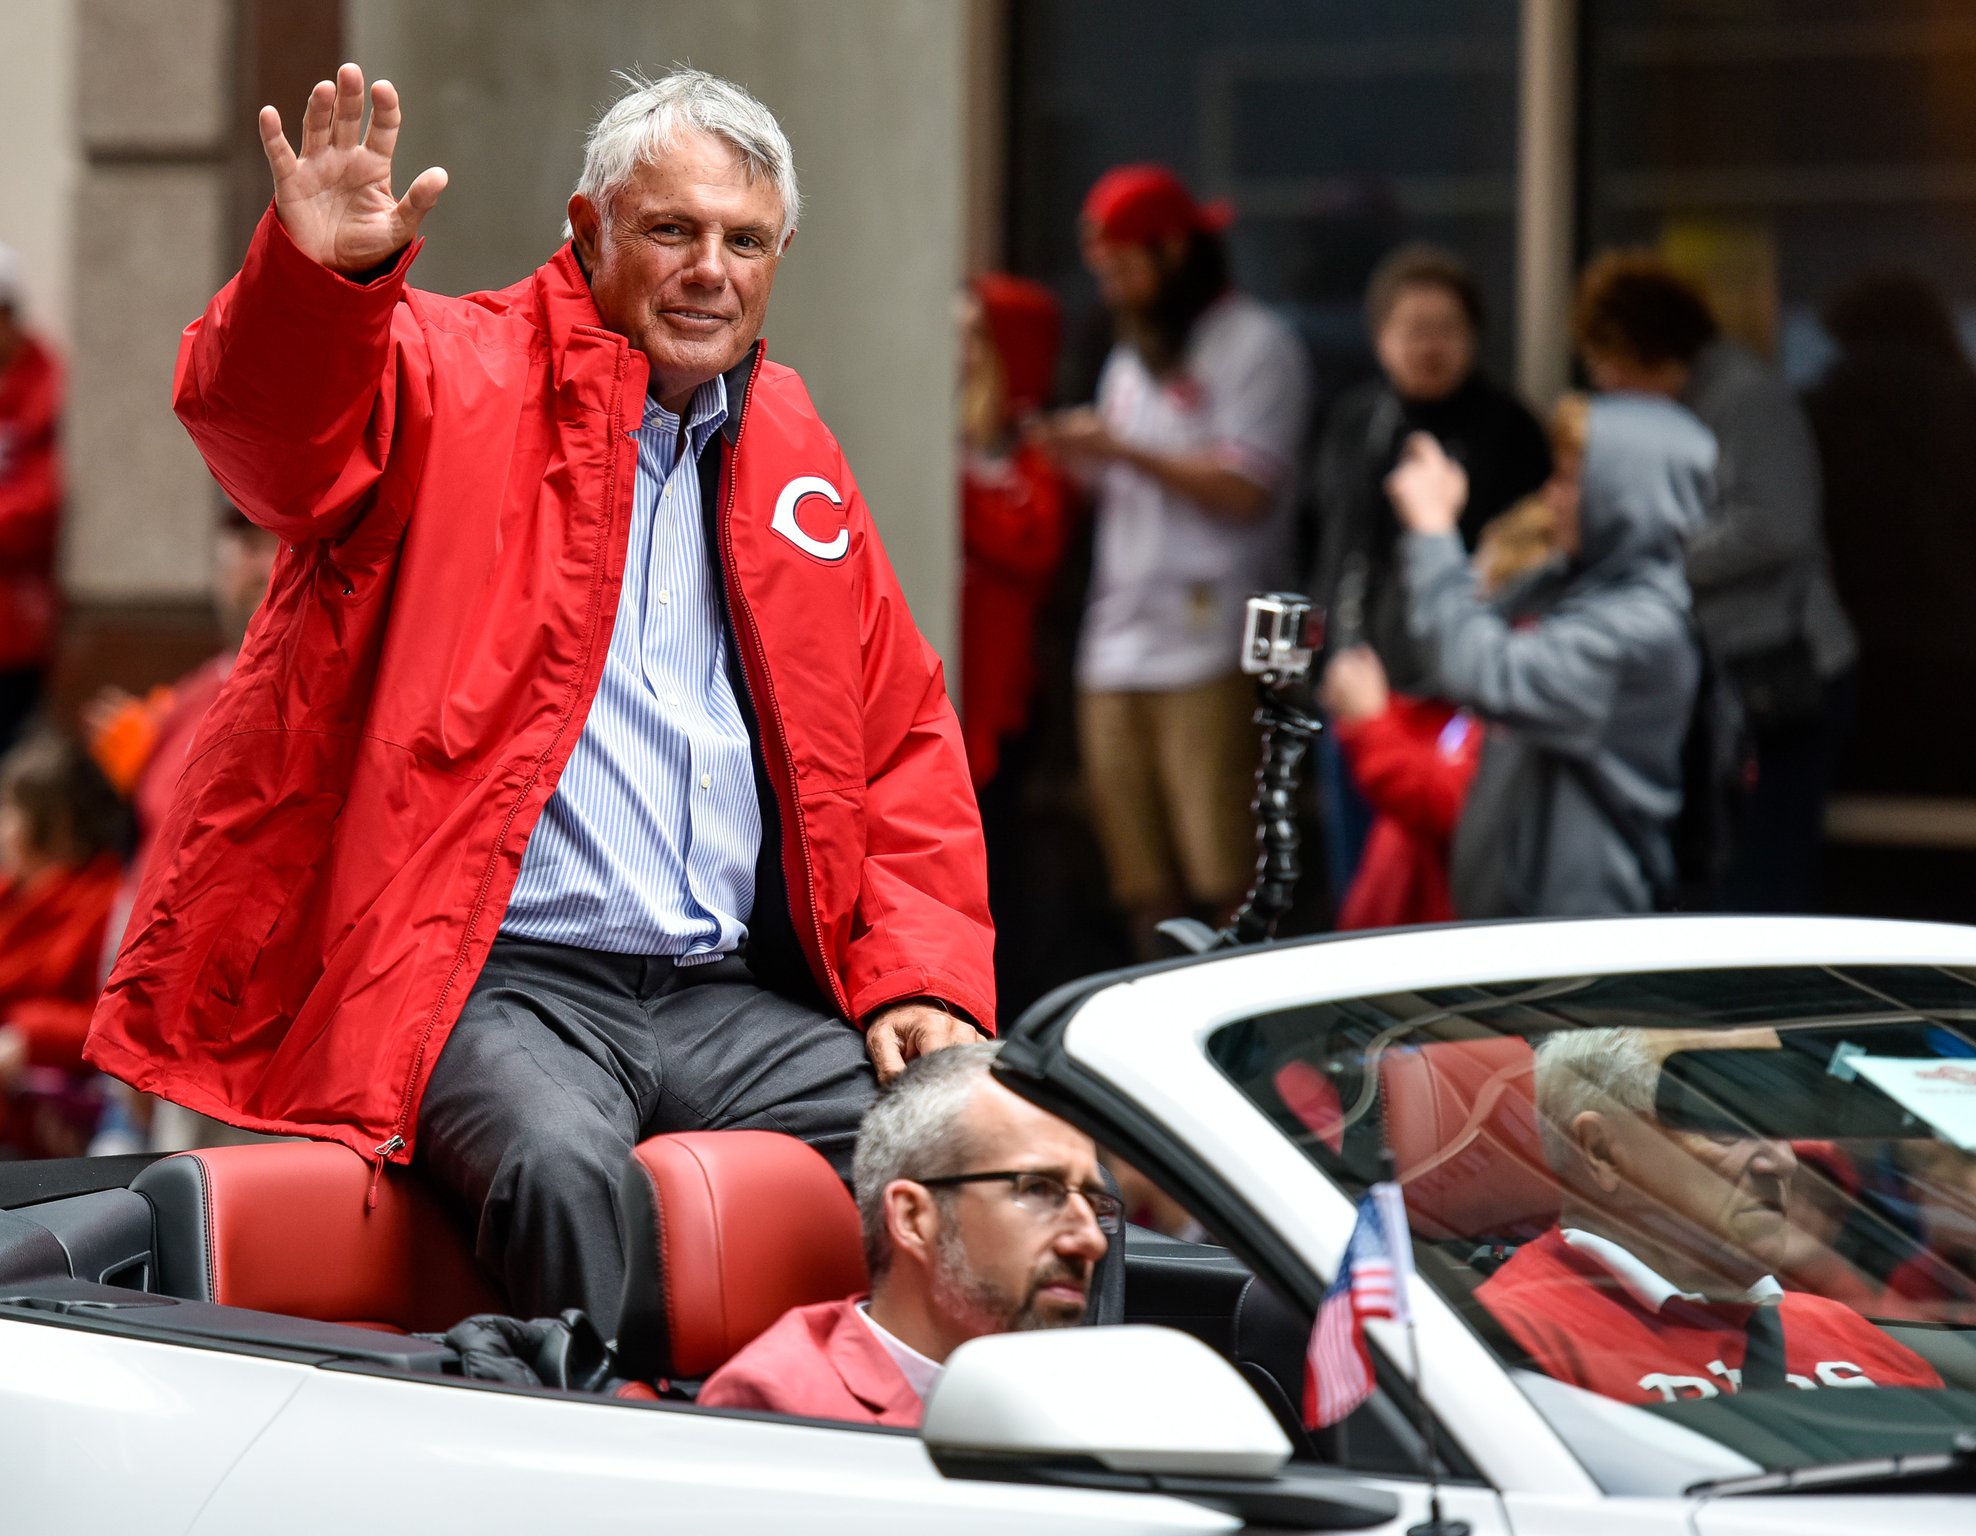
{"x":453,"y":482}
{"x":1582,"y":1326}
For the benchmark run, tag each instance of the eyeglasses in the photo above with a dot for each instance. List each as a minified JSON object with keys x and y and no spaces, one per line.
{"x":1046,"y":1195}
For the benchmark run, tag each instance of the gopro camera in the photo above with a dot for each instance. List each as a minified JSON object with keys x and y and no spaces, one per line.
{"x":1275,"y":635}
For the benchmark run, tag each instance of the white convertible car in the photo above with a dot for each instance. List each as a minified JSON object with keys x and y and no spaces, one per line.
{"x":228,"y":1341}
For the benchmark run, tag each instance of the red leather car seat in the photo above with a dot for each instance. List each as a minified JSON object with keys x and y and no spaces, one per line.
{"x":288,"y":1227}
{"x":1461,"y":1118}
{"x":724,"y":1232}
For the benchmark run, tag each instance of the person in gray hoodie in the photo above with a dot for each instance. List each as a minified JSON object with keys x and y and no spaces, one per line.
{"x":1585,"y":672}
{"x":1759,"y":567}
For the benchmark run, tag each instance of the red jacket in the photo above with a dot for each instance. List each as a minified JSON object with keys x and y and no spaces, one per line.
{"x":1414,"y":763}
{"x":51,"y":954}
{"x":1582,"y":1326}
{"x":453,"y":479}
{"x":1013,"y":515}
{"x":30,"y":504}
{"x":819,"y":1362}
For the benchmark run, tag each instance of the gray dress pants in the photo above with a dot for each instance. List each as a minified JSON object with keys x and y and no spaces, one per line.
{"x":564,"y":1059}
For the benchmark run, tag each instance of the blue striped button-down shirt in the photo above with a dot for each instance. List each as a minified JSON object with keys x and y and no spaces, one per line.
{"x":648,"y":845}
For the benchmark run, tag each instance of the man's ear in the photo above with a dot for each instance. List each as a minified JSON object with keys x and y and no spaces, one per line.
{"x":912,"y":1219}
{"x":788,"y":239}
{"x":584,"y":227}
{"x":1592,"y":1133}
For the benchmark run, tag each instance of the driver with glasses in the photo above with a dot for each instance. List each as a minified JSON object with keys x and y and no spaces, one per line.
{"x":981,"y":1214}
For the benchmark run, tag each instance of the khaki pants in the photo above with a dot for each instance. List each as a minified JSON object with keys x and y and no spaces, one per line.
{"x":1171,"y":777}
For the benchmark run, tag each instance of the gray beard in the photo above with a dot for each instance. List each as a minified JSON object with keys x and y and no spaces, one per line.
{"x":962,"y":1294}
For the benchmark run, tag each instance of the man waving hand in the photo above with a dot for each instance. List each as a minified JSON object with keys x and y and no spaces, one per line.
{"x":584,"y":775}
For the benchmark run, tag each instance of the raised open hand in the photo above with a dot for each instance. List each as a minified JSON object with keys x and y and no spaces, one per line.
{"x":334,"y":198}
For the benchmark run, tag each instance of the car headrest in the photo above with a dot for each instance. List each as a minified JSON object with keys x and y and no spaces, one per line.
{"x":288,"y":1226}
{"x":1461,"y":1119}
{"x":724,"y":1232}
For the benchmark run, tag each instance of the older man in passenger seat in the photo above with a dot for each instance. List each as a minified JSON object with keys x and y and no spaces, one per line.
{"x":981,"y":1213}
{"x":1656,"y":1284}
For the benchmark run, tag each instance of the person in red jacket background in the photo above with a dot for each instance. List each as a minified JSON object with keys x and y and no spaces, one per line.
{"x":61,"y":860}
{"x":30,"y":506}
{"x":1013,"y":507}
{"x":583,"y":775}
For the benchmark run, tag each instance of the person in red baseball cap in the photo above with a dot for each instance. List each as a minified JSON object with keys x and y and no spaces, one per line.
{"x":1190,"y":451}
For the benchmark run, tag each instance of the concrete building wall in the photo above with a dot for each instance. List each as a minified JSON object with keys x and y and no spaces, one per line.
{"x":38,"y":170}
{"x":873,"y":96}
{"x":151,"y":121}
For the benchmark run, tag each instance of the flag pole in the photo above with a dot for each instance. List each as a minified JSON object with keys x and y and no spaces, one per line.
{"x":1402,"y":1244}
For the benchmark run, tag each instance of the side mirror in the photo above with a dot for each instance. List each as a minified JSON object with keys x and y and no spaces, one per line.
{"x":1131,"y":1409}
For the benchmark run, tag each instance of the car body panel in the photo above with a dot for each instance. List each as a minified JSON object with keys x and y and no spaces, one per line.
{"x":424,"y":1457}
{"x":99,"y":1433}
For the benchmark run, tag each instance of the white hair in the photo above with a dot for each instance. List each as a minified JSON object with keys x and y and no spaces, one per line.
{"x":1590,"y":1069}
{"x":642,"y":125}
{"x":912,"y":1132}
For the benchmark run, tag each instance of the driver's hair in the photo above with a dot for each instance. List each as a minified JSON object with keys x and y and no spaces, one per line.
{"x":1595,"y":1069}
{"x":913,"y":1131}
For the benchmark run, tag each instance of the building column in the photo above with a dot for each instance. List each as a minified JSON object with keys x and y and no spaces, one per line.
{"x":1546,"y":171}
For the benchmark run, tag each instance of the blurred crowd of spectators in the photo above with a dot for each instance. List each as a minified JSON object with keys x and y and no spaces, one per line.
{"x":1593,"y":666}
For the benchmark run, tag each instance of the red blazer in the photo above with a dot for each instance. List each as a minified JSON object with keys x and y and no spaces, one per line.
{"x":453,"y":479}
{"x":1414,"y":764}
{"x":1581,"y":1326}
{"x":30,"y":504}
{"x":819,"y":1362}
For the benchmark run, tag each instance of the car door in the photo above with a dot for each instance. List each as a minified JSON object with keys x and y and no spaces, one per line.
{"x":357,"y":1453}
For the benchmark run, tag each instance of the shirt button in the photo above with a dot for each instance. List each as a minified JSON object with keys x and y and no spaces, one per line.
{"x":664,"y":597}
{"x":706,"y":781}
{"x":673,"y":700}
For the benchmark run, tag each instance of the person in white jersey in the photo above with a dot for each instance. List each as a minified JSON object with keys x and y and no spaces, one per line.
{"x":1190,"y":451}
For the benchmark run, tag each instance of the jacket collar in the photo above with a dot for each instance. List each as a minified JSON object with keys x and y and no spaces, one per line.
{"x":567,"y":304}
{"x":867,"y":1371}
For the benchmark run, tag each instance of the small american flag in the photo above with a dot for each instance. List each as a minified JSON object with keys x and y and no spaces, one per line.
{"x":1371,"y":1282}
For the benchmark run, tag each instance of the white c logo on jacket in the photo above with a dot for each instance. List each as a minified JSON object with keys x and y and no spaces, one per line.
{"x":785,"y":517}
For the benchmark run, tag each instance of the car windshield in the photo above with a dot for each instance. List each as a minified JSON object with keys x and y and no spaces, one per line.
{"x":1718,"y":1196}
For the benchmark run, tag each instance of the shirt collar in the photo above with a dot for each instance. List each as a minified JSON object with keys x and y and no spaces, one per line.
{"x":1653,"y":1291}
{"x":705,"y":413}
{"x":920,"y":1371}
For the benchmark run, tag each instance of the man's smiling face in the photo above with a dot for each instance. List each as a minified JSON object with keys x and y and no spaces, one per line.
{"x":683,"y":266}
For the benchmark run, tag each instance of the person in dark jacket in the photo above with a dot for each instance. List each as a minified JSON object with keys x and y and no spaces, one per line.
{"x":1424,"y":313}
{"x":1584,"y":673}
{"x":1762,"y":582}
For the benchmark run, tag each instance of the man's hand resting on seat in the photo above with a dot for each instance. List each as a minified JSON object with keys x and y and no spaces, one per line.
{"x":895,"y":1035}
{"x":334,"y":198}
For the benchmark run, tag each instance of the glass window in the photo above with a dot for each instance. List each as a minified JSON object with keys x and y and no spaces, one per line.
{"x":1337,"y":129}
{"x":1704,"y":1194}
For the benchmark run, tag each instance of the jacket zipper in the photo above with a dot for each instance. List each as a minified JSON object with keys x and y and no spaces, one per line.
{"x":396,"y":1141}
{"x":745,"y":620}
{"x":378,"y":1154}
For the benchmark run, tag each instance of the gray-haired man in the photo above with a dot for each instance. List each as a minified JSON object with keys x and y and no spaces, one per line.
{"x":981,"y":1214}
{"x":584,"y":776}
